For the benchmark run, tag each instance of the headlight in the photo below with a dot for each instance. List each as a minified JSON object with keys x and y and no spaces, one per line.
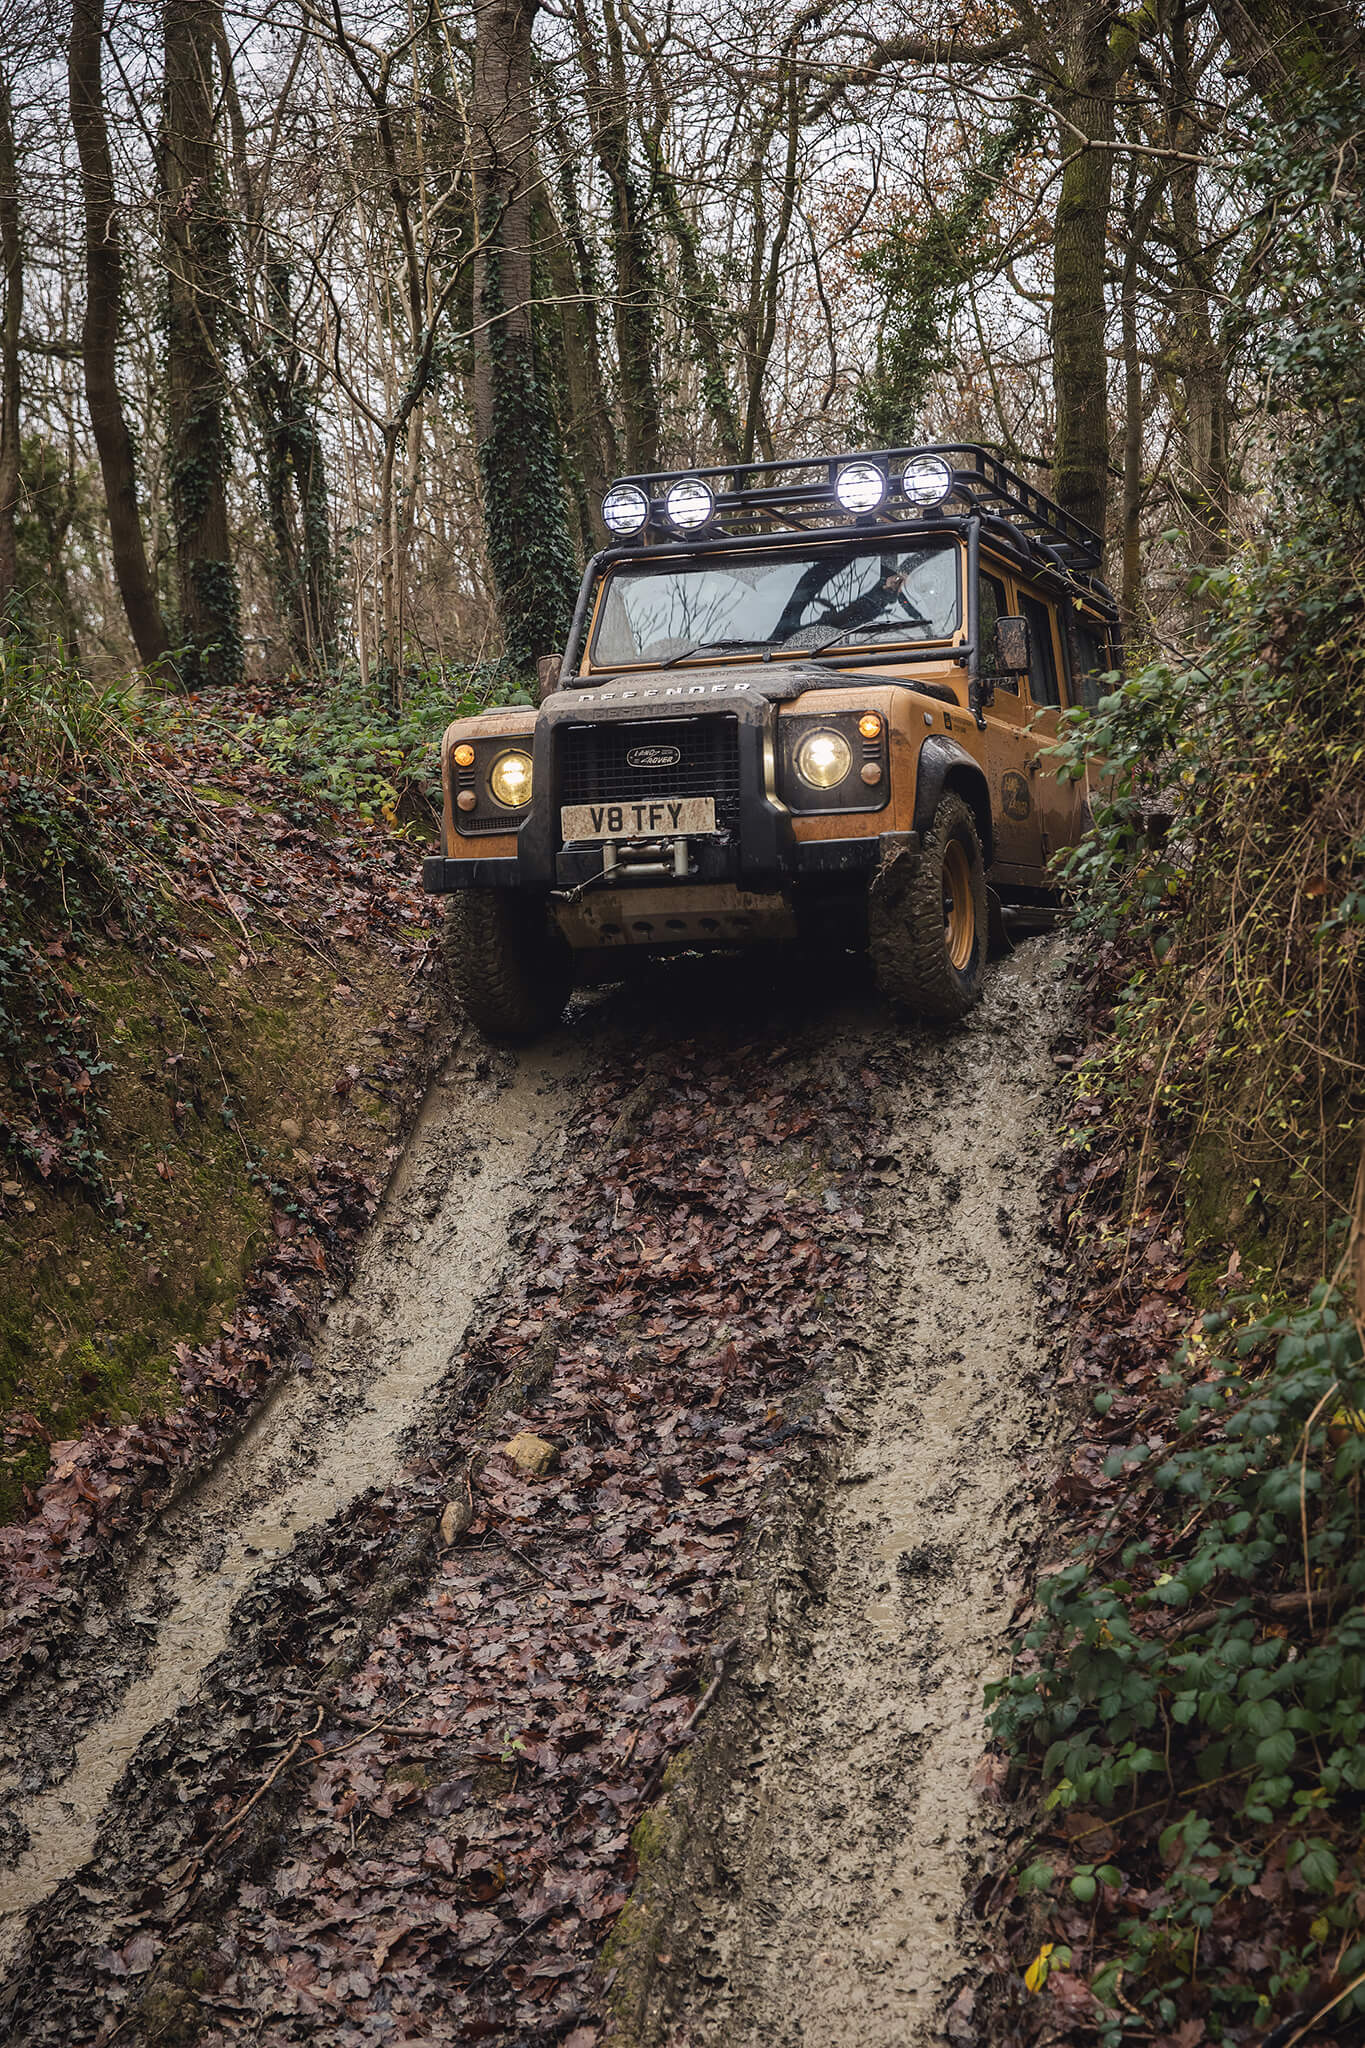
{"x":824,"y":759}
{"x":926,"y":481}
{"x":860,"y":487}
{"x":510,"y":780}
{"x":689,"y":504}
{"x":625,"y":509}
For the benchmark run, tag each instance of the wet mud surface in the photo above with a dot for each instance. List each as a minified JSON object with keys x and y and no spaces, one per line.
{"x":389,"y":1721}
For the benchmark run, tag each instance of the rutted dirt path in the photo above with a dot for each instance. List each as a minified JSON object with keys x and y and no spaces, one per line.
{"x":360,"y":1755}
{"x":842,"y":1849}
{"x":324,"y":1436}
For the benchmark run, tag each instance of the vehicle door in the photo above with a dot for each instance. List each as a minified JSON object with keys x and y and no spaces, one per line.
{"x":1060,"y":803}
{"x":1010,"y":749}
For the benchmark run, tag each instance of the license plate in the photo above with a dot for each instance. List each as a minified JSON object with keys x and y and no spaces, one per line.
{"x":655,"y":817}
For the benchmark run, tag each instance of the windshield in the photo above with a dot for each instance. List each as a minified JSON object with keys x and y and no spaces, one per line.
{"x":798,"y":602}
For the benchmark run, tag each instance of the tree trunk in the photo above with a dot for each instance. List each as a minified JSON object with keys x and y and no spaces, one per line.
{"x":281,"y":396}
{"x":633,"y":304}
{"x":11,"y":315}
{"x":197,"y":282}
{"x":700,"y":301}
{"x":1285,"y":48}
{"x":523,"y":499}
{"x":1084,"y":99}
{"x":99,"y":335}
{"x":1199,"y":358}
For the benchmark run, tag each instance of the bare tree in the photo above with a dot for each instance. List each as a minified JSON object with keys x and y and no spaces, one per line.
{"x":100,"y":334}
{"x":11,"y":324}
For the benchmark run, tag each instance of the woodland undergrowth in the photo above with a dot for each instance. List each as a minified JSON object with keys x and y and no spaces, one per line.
{"x":1189,"y":1699}
{"x":214,"y":1012}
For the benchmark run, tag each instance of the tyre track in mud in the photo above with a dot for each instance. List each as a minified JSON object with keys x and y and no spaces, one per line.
{"x":229,"y":1895}
{"x":818,"y":1883}
{"x":328,"y":1431}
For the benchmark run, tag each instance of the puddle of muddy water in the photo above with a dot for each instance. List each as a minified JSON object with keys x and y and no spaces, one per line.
{"x":319,"y":1442}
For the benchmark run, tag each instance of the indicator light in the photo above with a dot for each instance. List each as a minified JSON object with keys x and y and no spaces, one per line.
{"x":869,"y":725}
{"x":463,"y":755}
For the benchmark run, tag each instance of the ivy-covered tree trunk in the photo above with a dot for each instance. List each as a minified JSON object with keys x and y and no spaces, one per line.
{"x":634,"y":302}
{"x":1286,"y":48}
{"x":523,"y":496}
{"x":11,"y":316}
{"x":1084,"y":100}
{"x":295,"y":480}
{"x":100,"y":332}
{"x":196,"y":251}
{"x":281,"y":394}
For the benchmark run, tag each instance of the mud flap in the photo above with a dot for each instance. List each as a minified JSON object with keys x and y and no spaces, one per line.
{"x":1000,"y":940}
{"x":887,"y":897}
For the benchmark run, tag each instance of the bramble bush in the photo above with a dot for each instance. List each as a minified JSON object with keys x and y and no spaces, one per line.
{"x":1192,"y":1692}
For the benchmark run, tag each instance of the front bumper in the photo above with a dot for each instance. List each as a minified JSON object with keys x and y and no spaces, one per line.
{"x":807,"y":860}
{"x":757,"y":853}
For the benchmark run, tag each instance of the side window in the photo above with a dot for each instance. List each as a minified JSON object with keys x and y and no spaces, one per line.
{"x":1043,"y":687}
{"x":992,"y":603}
{"x":1093,"y":658}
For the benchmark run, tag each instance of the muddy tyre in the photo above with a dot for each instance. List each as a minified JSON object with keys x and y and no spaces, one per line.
{"x":505,"y":963}
{"x":928,"y":924}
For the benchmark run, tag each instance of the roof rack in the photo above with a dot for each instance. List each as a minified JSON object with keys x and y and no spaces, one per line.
{"x":754,"y":495}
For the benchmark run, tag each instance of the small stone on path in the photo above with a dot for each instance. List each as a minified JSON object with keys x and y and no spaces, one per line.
{"x":530,"y":1454}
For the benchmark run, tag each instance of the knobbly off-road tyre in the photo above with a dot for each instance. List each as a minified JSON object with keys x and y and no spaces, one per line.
{"x":928,"y":926}
{"x":505,"y":963}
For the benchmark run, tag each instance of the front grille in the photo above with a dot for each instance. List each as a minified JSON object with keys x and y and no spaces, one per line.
{"x":595,"y":767}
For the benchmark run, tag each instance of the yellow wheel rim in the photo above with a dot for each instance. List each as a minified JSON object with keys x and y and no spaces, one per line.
{"x":959,"y":906}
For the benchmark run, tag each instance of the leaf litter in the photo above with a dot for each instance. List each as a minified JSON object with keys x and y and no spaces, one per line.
{"x":401,"y":1807}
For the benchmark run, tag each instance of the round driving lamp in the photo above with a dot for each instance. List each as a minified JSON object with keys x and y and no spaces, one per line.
{"x":690,"y":504}
{"x":625,"y":509}
{"x":823,"y":759}
{"x":860,"y":487}
{"x":510,"y":780}
{"x":926,"y":481}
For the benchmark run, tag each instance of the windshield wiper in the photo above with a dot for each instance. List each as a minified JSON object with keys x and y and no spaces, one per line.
{"x":831,"y":634}
{"x":713,"y":647}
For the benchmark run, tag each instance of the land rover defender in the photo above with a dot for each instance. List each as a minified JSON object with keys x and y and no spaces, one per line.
{"x":803,"y":700}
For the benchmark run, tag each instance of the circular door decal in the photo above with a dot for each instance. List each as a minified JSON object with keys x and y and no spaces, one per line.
{"x":1015,"y":800}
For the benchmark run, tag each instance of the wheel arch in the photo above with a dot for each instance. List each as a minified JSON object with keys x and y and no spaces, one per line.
{"x":944,"y":765}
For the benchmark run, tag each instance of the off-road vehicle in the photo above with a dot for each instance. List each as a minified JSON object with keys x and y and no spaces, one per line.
{"x":800,"y":700}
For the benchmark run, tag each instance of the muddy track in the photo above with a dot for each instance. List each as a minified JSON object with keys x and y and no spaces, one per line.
{"x":362,"y":1750}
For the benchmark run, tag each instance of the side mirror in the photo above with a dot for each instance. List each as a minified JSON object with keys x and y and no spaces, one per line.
{"x":547,"y":674}
{"x":1011,"y":646}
